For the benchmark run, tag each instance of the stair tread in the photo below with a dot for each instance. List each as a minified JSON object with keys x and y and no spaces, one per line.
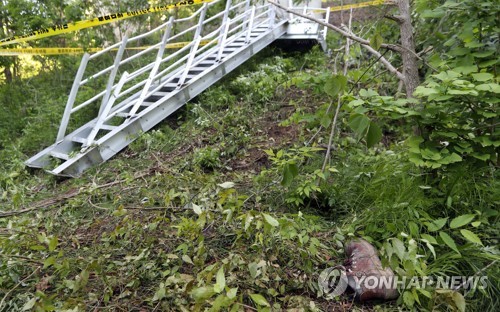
{"x":59,"y":155}
{"x":78,"y":139}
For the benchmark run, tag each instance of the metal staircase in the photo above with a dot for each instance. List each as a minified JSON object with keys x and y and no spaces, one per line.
{"x":135,"y":98}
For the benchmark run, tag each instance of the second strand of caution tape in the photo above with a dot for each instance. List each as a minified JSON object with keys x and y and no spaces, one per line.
{"x":63,"y":51}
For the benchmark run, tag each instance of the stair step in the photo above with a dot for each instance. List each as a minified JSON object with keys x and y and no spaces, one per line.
{"x":151,"y":99}
{"x":160,"y":94}
{"x":205,"y":64}
{"x":59,"y":155}
{"x":194,"y":71}
{"x":78,"y":139}
{"x":188,"y":77}
{"x":107,"y":127}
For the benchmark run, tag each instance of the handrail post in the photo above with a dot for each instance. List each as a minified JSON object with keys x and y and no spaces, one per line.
{"x":199,"y":29}
{"x":226,"y":11}
{"x":327,"y":20}
{"x":250,"y":25}
{"x":155,"y":68}
{"x":245,"y":20}
{"x":290,"y":6}
{"x":223,"y":25}
{"x":272,"y":16}
{"x":71,"y":99}
{"x":194,"y":47}
{"x":223,"y":39}
{"x":112,"y":75}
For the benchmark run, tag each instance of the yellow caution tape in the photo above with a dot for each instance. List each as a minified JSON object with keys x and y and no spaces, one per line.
{"x":61,"y":51}
{"x":70,"y":27}
{"x":358,"y":5}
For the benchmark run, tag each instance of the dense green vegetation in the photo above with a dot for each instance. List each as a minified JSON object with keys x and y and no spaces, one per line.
{"x":230,"y":205}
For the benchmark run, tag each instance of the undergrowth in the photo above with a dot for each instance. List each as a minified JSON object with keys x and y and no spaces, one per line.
{"x":223,"y":206}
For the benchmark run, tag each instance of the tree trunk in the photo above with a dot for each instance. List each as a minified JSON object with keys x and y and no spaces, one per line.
{"x":410,"y":64}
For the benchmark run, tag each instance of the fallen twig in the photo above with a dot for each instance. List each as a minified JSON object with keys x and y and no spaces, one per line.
{"x":17,"y":285}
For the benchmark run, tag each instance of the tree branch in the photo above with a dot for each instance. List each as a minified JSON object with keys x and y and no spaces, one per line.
{"x":394,"y":18}
{"x":353,"y":37}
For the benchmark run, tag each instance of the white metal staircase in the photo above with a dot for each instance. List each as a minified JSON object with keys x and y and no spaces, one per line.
{"x":136,"y":98}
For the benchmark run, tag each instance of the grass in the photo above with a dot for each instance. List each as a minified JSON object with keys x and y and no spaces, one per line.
{"x":193,"y":216}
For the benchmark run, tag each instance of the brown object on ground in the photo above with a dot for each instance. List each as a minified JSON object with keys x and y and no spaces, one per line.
{"x":361,"y":264}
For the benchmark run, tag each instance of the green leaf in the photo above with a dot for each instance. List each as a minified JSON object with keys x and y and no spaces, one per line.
{"x":49,"y":262}
{"x":374,"y":135}
{"x":290,"y":171}
{"x":160,"y":293}
{"x":359,"y":124}
{"x":376,"y":41}
{"x":335,"y":85}
{"x":436,"y":225}
{"x":232,"y":293}
{"x":220,"y":281}
{"x":399,"y":248}
{"x":53,"y":243}
{"x":448,"y":241}
{"x":461,"y":220}
{"x":429,"y":238}
{"x":491,"y":87}
{"x":270,"y":220}
{"x":202,"y":293}
{"x":29,"y":305}
{"x":471,"y":237}
{"x":259,"y":300}
{"x":453,"y":158}
{"x":483,"y":157}
{"x":253,"y":269}
{"x":459,"y":301}
{"x":187,"y":259}
{"x":408,"y":299}
{"x":482,"y":76}
{"x":423,"y":91}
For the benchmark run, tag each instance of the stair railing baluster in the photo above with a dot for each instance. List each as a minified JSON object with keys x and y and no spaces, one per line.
{"x":154,"y":70}
{"x":223,"y":31}
{"x":112,"y":75}
{"x":327,"y":20}
{"x":223,"y":40}
{"x":247,"y":13}
{"x":71,"y":99}
{"x":194,"y":47}
{"x":250,"y":25}
{"x":290,"y":6}
{"x":272,"y":15}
